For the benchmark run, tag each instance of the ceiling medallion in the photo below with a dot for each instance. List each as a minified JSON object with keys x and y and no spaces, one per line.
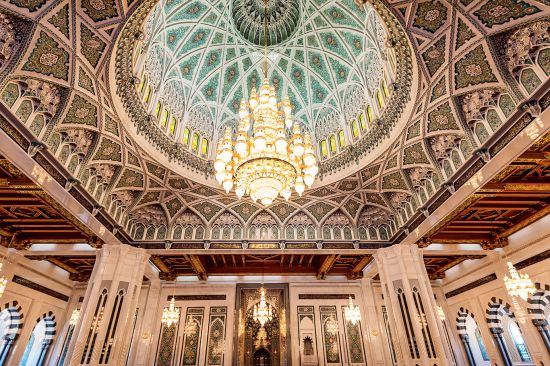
{"x":249,"y":18}
{"x":265,"y":162}
{"x":517,"y":284}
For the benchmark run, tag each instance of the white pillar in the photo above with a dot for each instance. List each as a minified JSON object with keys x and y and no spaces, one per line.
{"x":376,"y":348}
{"x":411,"y":306}
{"x":104,"y":330}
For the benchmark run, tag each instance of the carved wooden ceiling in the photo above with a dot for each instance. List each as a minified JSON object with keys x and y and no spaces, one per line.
{"x":516,"y":197}
{"x":28,"y":215}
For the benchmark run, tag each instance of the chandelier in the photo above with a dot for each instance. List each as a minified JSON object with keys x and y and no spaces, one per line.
{"x":262,"y":310}
{"x":171,"y":314}
{"x":3,"y":282}
{"x":263,"y":161}
{"x":74,"y":317}
{"x":352,"y":312}
{"x":519,"y":285}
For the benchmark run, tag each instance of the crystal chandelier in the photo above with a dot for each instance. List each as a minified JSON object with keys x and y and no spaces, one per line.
{"x":262,"y":311}
{"x":74,"y":317}
{"x":263,"y":161}
{"x":352,"y":312}
{"x":171,"y":314}
{"x":519,"y":285}
{"x":3,"y":282}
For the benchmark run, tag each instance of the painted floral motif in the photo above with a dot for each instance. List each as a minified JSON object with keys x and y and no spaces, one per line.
{"x":61,"y":20}
{"x":434,"y":57}
{"x":48,"y":58}
{"x":441,"y":119}
{"x":81,"y":112}
{"x":108,"y":150}
{"x":463,"y":34}
{"x":100,"y":10}
{"x":92,"y":46}
{"x":320,"y":210}
{"x":439,"y":89}
{"x":473,"y":69}
{"x":430,"y":16}
{"x":495,"y":12}
{"x":31,"y":5}
{"x":393,"y":181}
{"x":415,"y":154}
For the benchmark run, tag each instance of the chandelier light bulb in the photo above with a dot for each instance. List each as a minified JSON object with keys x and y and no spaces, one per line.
{"x":239,"y":191}
{"x":308,"y":179}
{"x":171,"y":314}
{"x":518,"y":284}
{"x":227,"y":184}
{"x":300,"y":188}
{"x":312,"y":170}
{"x":286,"y":194}
{"x":219,"y":165}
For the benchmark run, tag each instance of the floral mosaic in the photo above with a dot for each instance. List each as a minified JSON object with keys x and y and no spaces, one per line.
{"x":111,"y":125}
{"x":207,"y":209}
{"x":108,"y":150}
{"x":173,"y":206}
{"x":463,"y":34}
{"x":415,"y":154}
{"x":430,"y":16}
{"x":91,"y":45}
{"x":245,"y":210}
{"x":282,"y":210}
{"x":495,"y":12}
{"x":216,"y":336}
{"x":48,"y":58}
{"x":31,"y":5}
{"x":166,"y":346}
{"x":434,"y":57}
{"x":191,"y":343}
{"x":61,"y":20}
{"x":442,"y":118}
{"x":81,"y":112}
{"x":439,"y":89}
{"x":473,"y":69}
{"x":99,"y":10}
{"x":320,"y":210}
{"x":85,"y":81}
{"x":413,"y":130}
{"x":130,"y":178}
{"x":394,"y":181}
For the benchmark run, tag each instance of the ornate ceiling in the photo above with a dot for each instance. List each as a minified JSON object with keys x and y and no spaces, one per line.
{"x":204,"y":56}
{"x":479,"y":61}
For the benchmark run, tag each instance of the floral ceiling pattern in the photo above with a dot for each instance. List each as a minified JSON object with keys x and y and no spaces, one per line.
{"x":478,"y":62}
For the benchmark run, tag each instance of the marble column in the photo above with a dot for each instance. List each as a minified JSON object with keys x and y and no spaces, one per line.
{"x":104,"y":330}
{"x":411,"y":307}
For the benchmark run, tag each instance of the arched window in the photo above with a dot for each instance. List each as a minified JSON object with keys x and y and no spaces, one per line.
{"x":164,"y":118}
{"x":143,"y":83}
{"x":481,"y":345}
{"x":362,"y":122}
{"x":354,"y":129}
{"x":385,"y":88}
{"x":204,"y":147}
{"x":479,"y":351}
{"x":39,"y":342}
{"x":195,"y":142}
{"x":173,"y":125}
{"x":369,"y":113}
{"x":379,"y":99}
{"x":519,"y":343}
{"x":148,"y":93}
{"x":332,"y":143}
{"x":186,"y":134}
{"x":158,"y":109}
{"x":341,"y":139}
{"x":323,"y":149}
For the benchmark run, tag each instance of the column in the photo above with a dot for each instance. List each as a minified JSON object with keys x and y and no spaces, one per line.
{"x":378,"y":353}
{"x":411,"y":306}
{"x":103,"y":333}
{"x":143,"y":342}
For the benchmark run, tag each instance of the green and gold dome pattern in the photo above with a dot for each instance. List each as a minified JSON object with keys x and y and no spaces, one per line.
{"x":204,"y":57}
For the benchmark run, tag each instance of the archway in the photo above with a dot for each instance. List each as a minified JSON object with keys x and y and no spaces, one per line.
{"x":262,"y":357}
{"x":10,"y":326}
{"x":40,"y":341}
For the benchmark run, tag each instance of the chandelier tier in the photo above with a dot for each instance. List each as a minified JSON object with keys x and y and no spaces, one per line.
{"x":352,"y":312}
{"x":517,"y":284}
{"x":263,"y":161}
{"x":263,"y":312}
{"x":171,"y":314}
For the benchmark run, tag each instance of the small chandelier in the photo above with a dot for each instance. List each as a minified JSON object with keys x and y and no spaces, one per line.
{"x":519,"y":285}
{"x":352,"y":312}
{"x":263,"y":161}
{"x":3,"y":282}
{"x":263,"y":312}
{"x":171,"y":314}
{"x":74,"y":317}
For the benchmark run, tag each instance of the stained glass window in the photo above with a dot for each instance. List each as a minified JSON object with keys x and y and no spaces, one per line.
{"x":147,"y":97}
{"x":143,"y":83}
{"x":481,"y":345}
{"x":164,"y":119}
{"x":517,"y":337}
{"x":173,"y":125}
{"x":385,"y":88}
{"x":195,"y":142}
{"x":204,"y":147}
{"x":158,"y":108}
{"x":332,"y":143}
{"x":354,"y":129}
{"x":341,"y":138}
{"x":369,"y":113}
{"x":186,"y":136}
{"x":323,"y":148}
{"x":379,"y":99}
{"x":362,"y":121}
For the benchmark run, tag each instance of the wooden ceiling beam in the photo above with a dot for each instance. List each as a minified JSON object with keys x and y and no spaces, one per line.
{"x":198,"y":266}
{"x":326,"y":266}
{"x":357,"y":270}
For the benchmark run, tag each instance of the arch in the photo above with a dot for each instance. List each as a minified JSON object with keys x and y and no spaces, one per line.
{"x":468,"y":331}
{"x":10,"y":327}
{"x":40,"y":340}
{"x":538,"y":305}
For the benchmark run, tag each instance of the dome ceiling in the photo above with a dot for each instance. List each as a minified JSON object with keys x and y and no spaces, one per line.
{"x":205,"y":56}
